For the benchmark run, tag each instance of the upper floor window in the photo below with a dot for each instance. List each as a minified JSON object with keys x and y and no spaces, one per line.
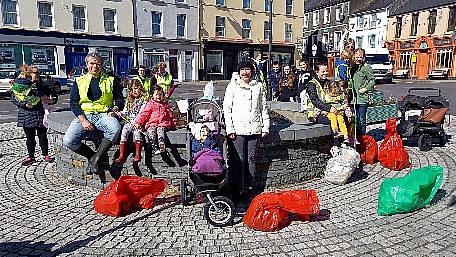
{"x":109,"y":16}
{"x":156,"y":23}
{"x":337,"y":38}
{"x":339,"y":12}
{"x":181,"y":25}
{"x":220,"y":26}
{"x":414,"y":28}
{"x":267,"y":5}
{"x":432,"y":21}
{"x":398,"y":27}
{"x":327,"y":15}
{"x":288,"y":33}
{"x":359,"y":42}
{"x":246,"y":4}
{"x":360,"y":22}
{"x":79,"y":18}
{"x":267,"y":30}
{"x":45,"y":15}
{"x":306,"y":20}
{"x":288,"y":7}
{"x":452,"y":19}
{"x":245,"y":28}
{"x":9,"y":12}
{"x":316,"y":18}
{"x":373,"y":21}
{"x":372,"y":43}
{"x":325,"y":41}
{"x":220,"y":2}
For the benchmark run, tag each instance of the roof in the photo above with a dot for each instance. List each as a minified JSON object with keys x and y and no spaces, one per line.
{"x":362,"y":6}
{"x":417,"y":5}
{"x":311,"y":5}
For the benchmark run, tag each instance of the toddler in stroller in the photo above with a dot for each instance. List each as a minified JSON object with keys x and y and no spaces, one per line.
{"x":423,"y":117}
{"x":207,"y":155}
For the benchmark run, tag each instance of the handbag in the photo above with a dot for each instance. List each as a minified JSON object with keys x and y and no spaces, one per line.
{"x":433,"y":115}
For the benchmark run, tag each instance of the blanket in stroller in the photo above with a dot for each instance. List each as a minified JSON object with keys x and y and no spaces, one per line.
{"x":207,"y":162}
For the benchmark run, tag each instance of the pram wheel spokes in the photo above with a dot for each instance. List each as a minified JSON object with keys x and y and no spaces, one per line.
{"x":425,"y":142}
{"x":219,"y":211}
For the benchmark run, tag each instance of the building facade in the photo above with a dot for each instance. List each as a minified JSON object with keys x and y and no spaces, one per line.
{"x":420,"y":37}
{"x":167,"y":31}
{"x":325,"y":26}
{"x":230,"y":30}
{"x":57,"y":35}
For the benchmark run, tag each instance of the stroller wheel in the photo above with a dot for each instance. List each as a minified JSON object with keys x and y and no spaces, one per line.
{"x":425,"y":142}
{"x":442,"y":140}
{"x":220,"y":213}
{"x":183,"y":189}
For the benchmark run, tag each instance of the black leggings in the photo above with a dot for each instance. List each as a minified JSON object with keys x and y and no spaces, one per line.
{"x":30,"y":133}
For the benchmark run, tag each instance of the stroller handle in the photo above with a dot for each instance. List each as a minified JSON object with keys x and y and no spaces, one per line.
{"x":424,"y":89}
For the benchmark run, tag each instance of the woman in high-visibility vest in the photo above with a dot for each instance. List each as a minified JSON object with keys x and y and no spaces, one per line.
{"x":164,"y":79}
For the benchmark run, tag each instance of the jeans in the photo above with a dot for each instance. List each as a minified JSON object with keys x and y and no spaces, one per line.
{"x":361,"y":111}
{"x":243,"y":151}
{"x":108,"y":126}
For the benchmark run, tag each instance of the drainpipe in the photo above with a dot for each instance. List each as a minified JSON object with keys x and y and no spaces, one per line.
{"x":135,"y":32}
{"x":269,"y":93}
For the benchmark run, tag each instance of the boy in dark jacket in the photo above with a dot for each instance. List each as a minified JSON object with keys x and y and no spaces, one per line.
{"x":274,"y":80}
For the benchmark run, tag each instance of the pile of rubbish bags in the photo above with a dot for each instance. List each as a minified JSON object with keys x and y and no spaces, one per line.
{"x":342,"y":164}
{"x":128,"y":193}
{"x":270,"y":211}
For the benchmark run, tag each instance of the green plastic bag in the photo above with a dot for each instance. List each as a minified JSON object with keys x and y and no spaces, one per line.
{"x":409,"y":193}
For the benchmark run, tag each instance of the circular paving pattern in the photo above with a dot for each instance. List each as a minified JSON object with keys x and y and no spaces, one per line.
{"x":43,"y":216}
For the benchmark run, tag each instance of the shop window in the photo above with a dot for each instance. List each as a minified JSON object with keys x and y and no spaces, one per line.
{"x":109,"y":16}
{"x":306,"y":20}
{"x":327,"y":15}
{"x":9,"y":12}
{"x":267,"y":30}
{"x":432,"y":21}
{"x":398,"y":27}
{"x":288,"y":32}
{"x":316,"y":18}
{"x":156,"y":23}
{"x":214,"y":61}
{"x":372,"y":43}
{"x":452,"y":19}
{"x":79,"y":18}
{"x":288,"y":7}
{"x":444,"y":58}
{"x":267,"y":5}
{"x":45,"y":19}
{"x":152,"y":57}
{"x":414,"y":28}
{"x":181,"y":18}
{"x":405,"y":61}
{"x":245,"y":28}
{"x":246,"y":4}
{"x":373,"y":21}
{"x":220,"y":26}
{"x":41,"y":57}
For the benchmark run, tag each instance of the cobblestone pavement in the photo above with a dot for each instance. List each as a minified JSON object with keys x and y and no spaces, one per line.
{"x":43,"y":216}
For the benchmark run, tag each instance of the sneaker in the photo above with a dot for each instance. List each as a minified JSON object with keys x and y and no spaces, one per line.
{"x":28,"y":161}
{"x":162,"y":147}
{"x":48,"y":158}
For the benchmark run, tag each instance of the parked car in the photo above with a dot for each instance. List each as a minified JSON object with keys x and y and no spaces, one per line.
{"x":75,"y":73}
{"x":6,"y":79}
{"x":439,"y":73}
{"x":381,"y":65}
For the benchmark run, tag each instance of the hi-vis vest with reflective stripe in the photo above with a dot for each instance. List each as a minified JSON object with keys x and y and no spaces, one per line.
{"x":321,"y":95}
{"x":106,"y":100}
{"x":145,"y":84}
{"x":165,"y":82}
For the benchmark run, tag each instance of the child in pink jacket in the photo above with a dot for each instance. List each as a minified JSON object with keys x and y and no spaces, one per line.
{"x":156,"y":117}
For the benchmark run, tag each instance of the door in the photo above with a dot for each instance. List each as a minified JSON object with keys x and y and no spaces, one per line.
{"x":188,"y":65}
{"x":173,"y":70}
{"x":422,"y":64}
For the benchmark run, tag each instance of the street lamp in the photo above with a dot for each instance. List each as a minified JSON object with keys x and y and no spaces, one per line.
{"x":270,"y":47}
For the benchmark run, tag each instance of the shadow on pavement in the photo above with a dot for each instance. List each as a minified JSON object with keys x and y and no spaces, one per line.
{"x":27,"y":248}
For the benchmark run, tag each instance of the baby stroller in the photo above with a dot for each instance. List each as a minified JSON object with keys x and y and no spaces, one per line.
{"x":423,"y":117}
{"x":219,"y":210}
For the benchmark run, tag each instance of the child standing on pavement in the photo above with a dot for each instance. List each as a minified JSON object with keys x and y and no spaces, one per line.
{"x":156,"y":117}
{"x":133,"y":106}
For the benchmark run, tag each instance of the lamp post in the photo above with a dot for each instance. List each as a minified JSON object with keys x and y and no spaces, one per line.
{"x":135,"y":32}
{"x":270,"y":49}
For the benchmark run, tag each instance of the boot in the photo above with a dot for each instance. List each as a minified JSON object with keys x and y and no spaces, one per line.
{"x":92,"y":167}
{"x":137,"y":157}
{"x":85,"y":150}
{"x":122,"y":151}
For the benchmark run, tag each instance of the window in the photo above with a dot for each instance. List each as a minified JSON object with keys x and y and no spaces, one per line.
{"x":220,"y":2}
{"x":156,"y":23}
{"x":246,"y":4}
{"x":45,"y":15}
{"x":315,"y":40}
{"x":153,"y":56}
{"x":432,"y":21}
{"x":398,"y":26}
{"x":180,"y":1}
{"x":288,"y":7}
{"x":406,"y":60}
{"x":316,"y":18}
{"x":444,"y":58}
{"x":337,"y":37}
{"x":9,"y":12}
{"x":359,"y":42}
{"x":267,"y":5}
{"x":371,"y":39}
{"x":414,"y":27}
{"x":79,"y":18}
{"x":181,"y":25}
{"x":109,"y":16}
{"x":360,"y":22}
{"x":306,"y":20}
{"x":339,"y":12}
{"x":245,"y":28}
{"x":373,"y":21}
{"x":214,"y":61}
{"x":288,"y":33}
{"x":324,"y":41}
{"x":327,"y":15}
{"x":267,"y":30}
{"x":452,"y":19}
{"x":219,"y":26}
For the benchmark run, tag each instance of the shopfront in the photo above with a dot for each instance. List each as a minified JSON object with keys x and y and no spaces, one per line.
{"x":12,"y":56}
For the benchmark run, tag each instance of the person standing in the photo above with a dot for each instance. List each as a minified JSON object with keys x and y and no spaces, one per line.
{"x":288,"y":85}
{"x":274,"y":79}
{"x":94,"y":99}
{"x":164,"y":79}
{"x":146,"y":82}
{"x":247,"y":120}
{"x":29,"y":94}
{"x":304,"y":76}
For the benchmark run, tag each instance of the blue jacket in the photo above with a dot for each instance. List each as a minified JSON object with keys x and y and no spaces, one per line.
{"x":342,"y":65}
{"x":209,"y":143}
{"x":274,"y":79}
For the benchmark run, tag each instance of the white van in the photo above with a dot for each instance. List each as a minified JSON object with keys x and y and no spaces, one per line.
{"x":379,"y":60}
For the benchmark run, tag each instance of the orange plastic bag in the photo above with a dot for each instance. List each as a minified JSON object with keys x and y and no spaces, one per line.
{"x":367,"y":149}
{"x":127,"y":193}
{"x":269,"y":211}
{"x":392,"y":154}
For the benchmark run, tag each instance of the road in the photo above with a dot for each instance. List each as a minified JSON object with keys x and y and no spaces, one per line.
{"x":8,"y":112}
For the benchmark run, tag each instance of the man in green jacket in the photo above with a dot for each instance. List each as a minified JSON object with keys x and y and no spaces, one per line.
{"x":362,"y":81}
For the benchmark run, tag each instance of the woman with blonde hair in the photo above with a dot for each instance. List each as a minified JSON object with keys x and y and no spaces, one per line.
{"x":164,"y":79}
{"x":288,"y":85}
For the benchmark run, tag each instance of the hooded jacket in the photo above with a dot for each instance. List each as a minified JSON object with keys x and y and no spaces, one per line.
{"x":157,"y":114}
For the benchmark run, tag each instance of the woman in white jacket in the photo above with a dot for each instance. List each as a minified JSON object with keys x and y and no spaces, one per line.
{"x":247,"y":120}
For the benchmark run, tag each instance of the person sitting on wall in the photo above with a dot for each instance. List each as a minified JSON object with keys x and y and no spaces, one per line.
{"x":94,"y":99}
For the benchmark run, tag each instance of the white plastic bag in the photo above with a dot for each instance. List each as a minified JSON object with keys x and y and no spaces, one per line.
{"x":341,"y":166}
{"x":209,"y":90}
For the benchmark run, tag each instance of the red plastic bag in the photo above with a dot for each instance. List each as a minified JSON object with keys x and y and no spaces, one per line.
{"x":392,"y":154}
{"x":269,"y":211}
{"x":127,"y":193}
{"x":367,"y":149}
